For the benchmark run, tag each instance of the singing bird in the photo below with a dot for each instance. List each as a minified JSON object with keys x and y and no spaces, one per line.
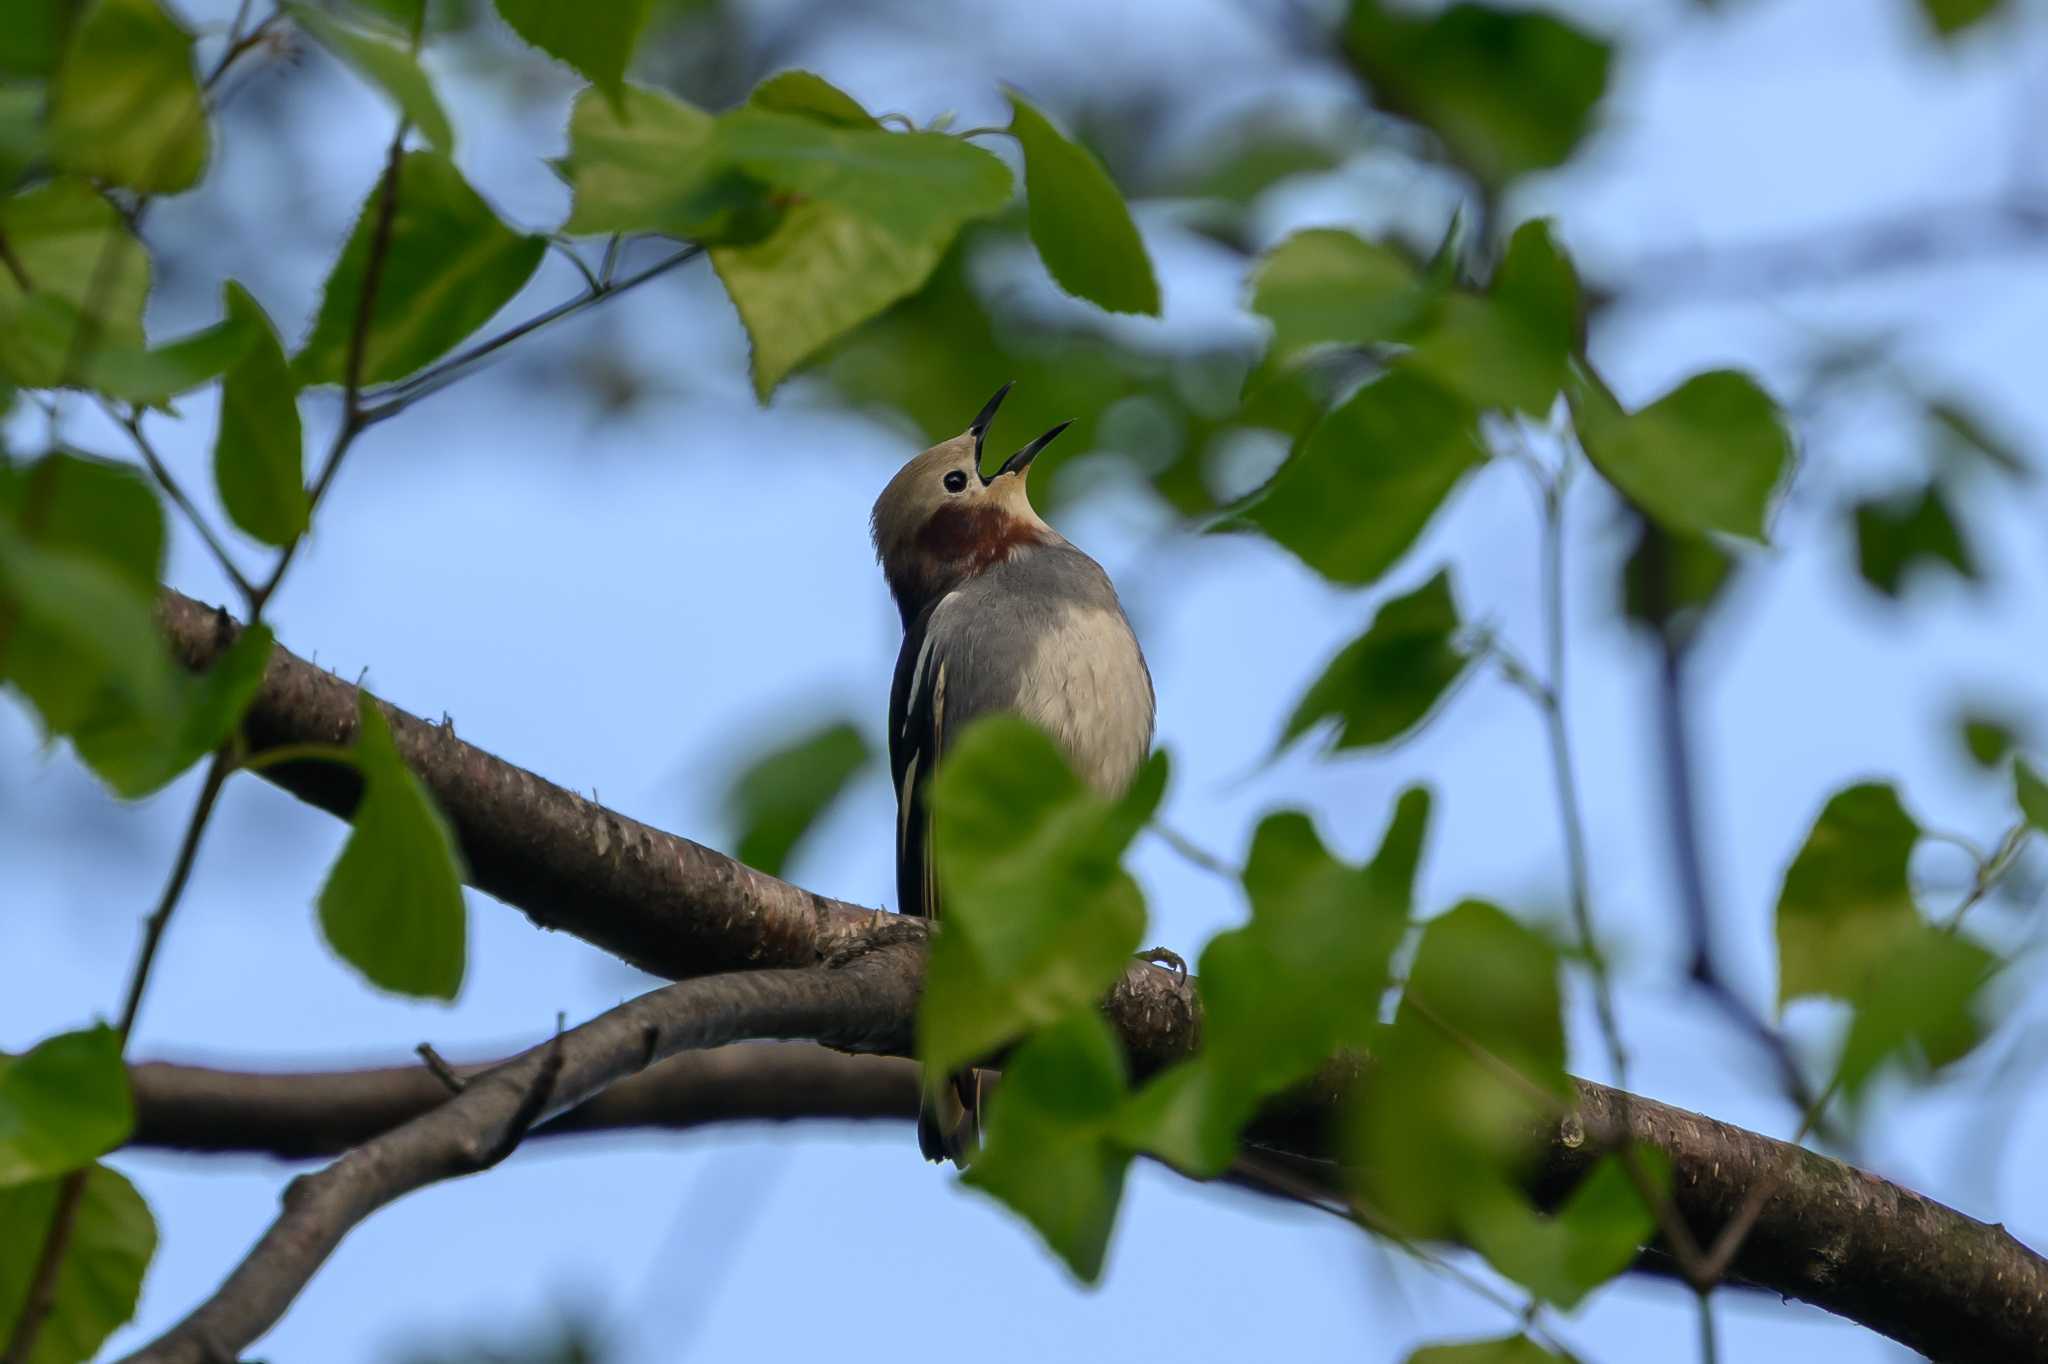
{"x":1000,"y":613}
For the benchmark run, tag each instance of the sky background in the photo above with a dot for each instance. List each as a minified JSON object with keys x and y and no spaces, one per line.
{"x":627,"y":602}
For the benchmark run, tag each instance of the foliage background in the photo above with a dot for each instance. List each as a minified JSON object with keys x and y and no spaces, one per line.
{"x":603,"y":560}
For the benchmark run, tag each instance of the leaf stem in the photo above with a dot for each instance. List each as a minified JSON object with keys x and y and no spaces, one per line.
{"x":42,"y":1290}
{"x":132,"y":423}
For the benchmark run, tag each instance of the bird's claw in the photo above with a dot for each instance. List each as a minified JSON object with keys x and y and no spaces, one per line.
{"x":1166,"y":956}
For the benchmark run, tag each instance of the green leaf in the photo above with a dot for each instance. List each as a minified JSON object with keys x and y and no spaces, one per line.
{"x":1598,"y":1232}
{"x":392,"y":68}
{"x":1359,"y":490}
{"x":812,"y":96}
{"x":63,"y":1105}
{"x":920,"y":187}
{"x":1846,"y":902}
{"x":1079,"y":221}
{"x":777,"y":798}
{"x":2031,"y":793}
{"x":654,"y":164}
{"x":1963,"y":435}
{"x":822,"y":272}
{"x":1510,"y":349}
{"x":159,"y":373}
{"x":392,"y":906}
{"x":125,"y":105}
{"x":1051,"y":1152}
{"x":1670,"y":580}
{"x":1385,"y":683}
{"x":1894,"y":537}
{"x":597,"y":40}
{"x":1298,"y":984}
{"x":1504,"y":1350}
{"x":1951,"y":17}
{"x":1447,"y":1119}
{"x":137,"y":751}
{"x":1040,"y":919}
{"x":449,"y":267}
{"x":33,"y":36}
{"x":1507,"y":90}
{"x":1987,"y":739}
{"x":90,"y":277}
{"x":1705,"y":456}
{"x":21,"y":130}
{"x":1921,"y":998}
{"x":258,"y":460}
{"x":91,"y":506}
{"x":1324,"y":285}
{"x":112,"y":1239}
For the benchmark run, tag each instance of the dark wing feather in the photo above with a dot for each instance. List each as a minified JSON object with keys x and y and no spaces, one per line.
{"x":916,"y":738}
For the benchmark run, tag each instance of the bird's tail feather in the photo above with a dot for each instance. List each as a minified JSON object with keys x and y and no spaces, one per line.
{"x":949,"y":1119}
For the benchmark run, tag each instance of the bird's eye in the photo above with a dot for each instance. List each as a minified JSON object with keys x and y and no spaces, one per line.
{"x":955,"y":481}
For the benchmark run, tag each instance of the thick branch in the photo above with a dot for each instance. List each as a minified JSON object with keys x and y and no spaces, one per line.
{"x":863,"y":1004}
{"x":1945,"y":1284}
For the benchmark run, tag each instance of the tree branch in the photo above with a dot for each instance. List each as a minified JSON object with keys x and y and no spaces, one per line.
{"x":864,"y":1003}
{"x":1924,"y":1274}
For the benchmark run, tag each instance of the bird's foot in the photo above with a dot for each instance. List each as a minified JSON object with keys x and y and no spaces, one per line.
{"x":1166,"y":956}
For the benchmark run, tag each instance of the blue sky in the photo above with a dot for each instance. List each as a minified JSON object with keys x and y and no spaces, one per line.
{"x":623,"y":605}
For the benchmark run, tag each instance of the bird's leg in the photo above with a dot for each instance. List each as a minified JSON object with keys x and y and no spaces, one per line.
{"x":1166,"y":956}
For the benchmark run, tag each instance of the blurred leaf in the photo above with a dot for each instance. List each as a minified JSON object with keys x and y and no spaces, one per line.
{"x":1598,"y":1232}
{"x":2031,"y":793}
{"x":1446,"y":1122}
{"x":777,"y":798}
{"x":1894,"y":536}
{"x":1289,"y":990}
{"x":125,"y":105}
{"x":1705,"y":456}
{"x":112,"y":1239}
{"x":1950,"y":17}
{"x":1386,"y":682}
{"x":822,"y":272}
{"x":98,"y":508}
{"x":136,"y":751}
{"x":1040,"y":917}
{"x":158,"y":373}
{"x":63,"y":1105}
{"x":1079,"y":221}
{"x":1987,"y":739}
{"x":1963,"y":431}
{"x":1326,"y":285}
{"x":1261,"y":154}
{"x":21,"y":128}
{"x":1510,"y":348}
{"x":392,"y":906}
{"x":392,"y":68}
{"x":81,"y":258}
{"x":450,"y":265}
{"x":1360,"y":488}
{"x":1921,"y":995}
{"x":1846,"y":902}
{"x":1668,"y":576}
{"x":258,"y":460}
{"x":1508,"y":91}
{"x":1051,"y":1153}
{"x":654,"y":164}
{"x":597,"y":40}
{"x":33,"y":36}
{"x":1505,"y":1350}
{"x":920,"y":187}
{"x":812,"y":96}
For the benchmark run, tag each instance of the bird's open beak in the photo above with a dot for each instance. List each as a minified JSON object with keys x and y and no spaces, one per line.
{"x":1019,"y":462}
{"x":978,"y":428}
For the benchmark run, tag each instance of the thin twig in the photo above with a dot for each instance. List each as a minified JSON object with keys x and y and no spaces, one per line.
{"x":42,"y":1290}
{"x":1194,"y":853}
{"x":442,"y":1071}
{"x":132,"y":423}
{"x":1988,"y":874}
{"x":14,"y":265}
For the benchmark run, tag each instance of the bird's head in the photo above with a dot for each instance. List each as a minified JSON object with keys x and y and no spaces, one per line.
{"x":941,"y":520}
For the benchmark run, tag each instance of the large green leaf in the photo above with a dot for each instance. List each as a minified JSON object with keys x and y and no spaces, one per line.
{"x":125,"y":105}
{"x":1516,"y":1349}
{"x":1298,"y":984}
{"x":1922,"y":1000}
{"x":63,"y":1105}
{"x":89,"y":506}
{"x":1507,"y":90}
{"x":392,"y":906}
{"x":1078,"y":220}
{"x":1326,"y":285}
{"x":1951,"y":17}
{"x":388,"y":66}
{"x":1052,"y":1152}
{"x":1359,"y":490}
{"x":449,"y":266}
{"x":112,"y":1240}
{"x":157,"y":373}
{"x":1511,"y":348}
{"x":1598,"y":1232}
{"x":1846,"y":902}
{"x":812,"y":96}
{"x":137,"y":752}
{"x":33,"y":36}
{"x":1897,"y":537}
{"x":1704,"y":457}
{"x":1387,"y":681}
{"x":258,"y":457}
{"x":1039,"y":917}
{"x":774,"y":801}
{"x":597,"y":40}
{"x":654,"y":164}
{"x":89,"y":276}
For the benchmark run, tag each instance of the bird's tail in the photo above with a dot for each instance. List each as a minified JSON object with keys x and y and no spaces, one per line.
{"x":949,"y":1118}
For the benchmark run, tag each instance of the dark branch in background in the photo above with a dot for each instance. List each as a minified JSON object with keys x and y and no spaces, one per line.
{"x":866,"y":1002}
{"x":1829,"y":1234}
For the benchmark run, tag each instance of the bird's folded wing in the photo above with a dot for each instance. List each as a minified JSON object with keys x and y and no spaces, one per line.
{"x":917,"y":718}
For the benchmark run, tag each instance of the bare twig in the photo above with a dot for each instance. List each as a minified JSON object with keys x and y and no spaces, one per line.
{"x":131,"y":421}
{"x":42,"y":1287}
{"x":442,"y":1071}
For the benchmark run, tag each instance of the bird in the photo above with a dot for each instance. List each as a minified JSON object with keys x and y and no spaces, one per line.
{"x":1000,"y":614}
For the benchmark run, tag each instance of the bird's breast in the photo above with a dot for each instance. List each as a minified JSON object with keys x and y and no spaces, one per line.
{"x":1084,"y":681}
